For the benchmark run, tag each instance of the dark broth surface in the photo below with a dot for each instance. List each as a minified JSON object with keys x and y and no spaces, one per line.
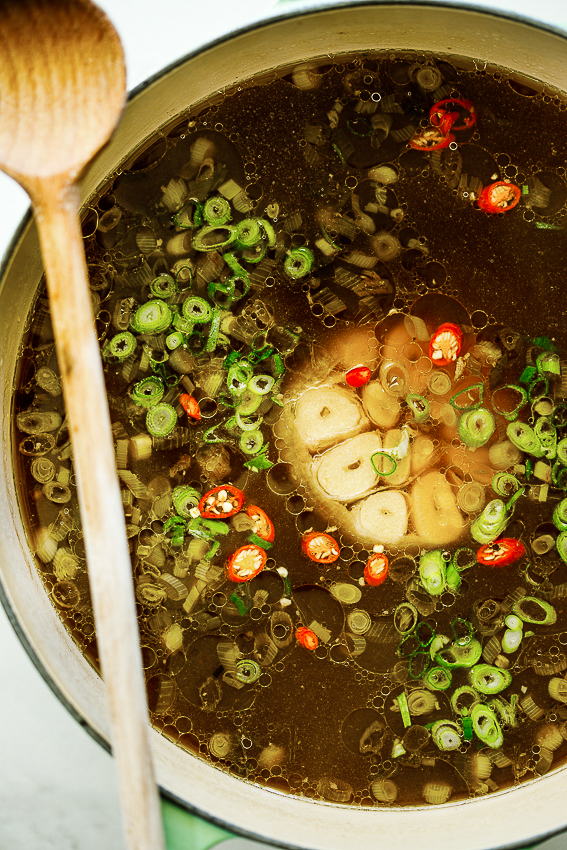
{"x":322,"y":155}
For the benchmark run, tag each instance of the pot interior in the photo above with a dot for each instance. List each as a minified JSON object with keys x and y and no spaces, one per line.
{"x":425,"y":256}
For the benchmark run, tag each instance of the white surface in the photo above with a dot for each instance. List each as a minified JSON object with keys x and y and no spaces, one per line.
{"x":57,"y":786}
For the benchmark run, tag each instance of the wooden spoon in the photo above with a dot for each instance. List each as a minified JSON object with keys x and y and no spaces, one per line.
{"x":62,"y":90}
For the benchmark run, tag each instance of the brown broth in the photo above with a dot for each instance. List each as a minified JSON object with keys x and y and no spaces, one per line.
{"x":299,"y":727}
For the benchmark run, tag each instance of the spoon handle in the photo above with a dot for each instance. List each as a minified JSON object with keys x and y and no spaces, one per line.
{"x":110,"y":572}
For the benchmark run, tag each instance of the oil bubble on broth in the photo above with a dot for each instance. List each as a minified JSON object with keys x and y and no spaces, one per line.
{"x":329,"y":312}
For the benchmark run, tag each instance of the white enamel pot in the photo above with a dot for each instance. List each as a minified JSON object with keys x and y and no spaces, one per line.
{"x":499,"y":820}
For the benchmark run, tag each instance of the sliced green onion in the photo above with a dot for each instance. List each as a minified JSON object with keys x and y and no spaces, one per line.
{"x":538,"y":388}
{"x":548,"y":363}
{"x":180,"y":323}
{"x":419,"y":664}
{"x":501,"y":395}
{"x":212,"y":238}
{"x":211,"y":436}
{"x":446,"y":735}
{"x":462,"y":630}
{"x":197,"y":310}
{"x":457,"y":656}
{"x":419,"y":406}
{"x":463,"y":559}
{"x":251,"y":442}
{"x":486,"y":726}
{"x":560,"y":515}
{"x":269,"y":232}
{"x":190,"y":215}
{"x":505,"y":484}
{"x":153,"y":317}
{"x":174,"y":340}
{"x":506,"y":711}
{"x":491,"y":522}
{"x":383,"y":463}
{"x":248,"y":402}
{"x":185,"y":499}
{"x":470,"y":398}
{"x":161,"y":420}
{"x":217,"y":211}
{"x":233,"y":263}
{"x":490,"y":680}
{"x":212,"y":338}
{"x":258,"y":463}
{"x":249,"y":233}
{"x":432,"y":572}
{"x":247,"y":426}
{"x":511,"y":640}
{"x":536,"y":611}
{"x":559,"y":415}
{"x":148,"y":392}
{"x":546,"y":434}
{"x":405,"y":618}
{"x":453,"y":579}
{"x":163,"y":286}
{"x":261,"y":384}
{"x":438,"y":679}
{"x":562,"y":451}
{"x":298,"y":263}
{"x":122,"y":345}
{"x":476,"y":427}
{"x":247,"y":670}
{"x":463,"y":699}
{"x":404,"y":709}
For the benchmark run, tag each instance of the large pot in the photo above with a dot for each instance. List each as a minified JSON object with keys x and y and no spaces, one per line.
{"x":499,"y":820}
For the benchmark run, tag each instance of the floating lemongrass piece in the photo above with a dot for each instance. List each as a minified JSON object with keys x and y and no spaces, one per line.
{"x":382,"y":408}
{"x":534,"y":711}
{"x":347,"y":472}
{"x":139,"y":447}
{"x":421,"y":702}
{"x":386,"y":246}
{"x":548,"y":735}
{"x":383,"y":516}
{"x":326,"y":415}
{"x":436,"y":515}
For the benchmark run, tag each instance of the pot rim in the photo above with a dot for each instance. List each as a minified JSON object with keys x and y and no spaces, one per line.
{"x":302,"y":11}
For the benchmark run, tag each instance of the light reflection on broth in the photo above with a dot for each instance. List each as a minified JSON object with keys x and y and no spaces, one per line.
{"x":306,"y":295}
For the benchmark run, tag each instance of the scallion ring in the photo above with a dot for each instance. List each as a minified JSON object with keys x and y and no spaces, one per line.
{"x":212,"y":238}
{"x":161,"y":420}
{"x":153,"y":317}
{"x":216,"y":211}
{"x":383,"y":463}
{"x":470,"y":398}
{"x":502,"y":394}
{"x":524,"y":438}
{"x":122,"y":345}
{"x":476,"y":427}
{"x":148,"y":392}
{"x":190,"y":215}
{"x":546,"y":434}
{"x":197,"y":310}
{"x":505,"y":484}
{"x":269,"y":232}
{"x":163,"y":286}
{"x":261,"y":384}
{"x":419,"y":406}
{"x":185,"y":498}
{"x":247,"y":426}
{"x":174,"y":340}
{"x":251,"y":442}
{"x":249,"y":233}
{"x":298,"y":263}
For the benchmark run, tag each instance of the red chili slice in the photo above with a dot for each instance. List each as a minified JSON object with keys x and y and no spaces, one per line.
{"x":190,"y":406}
{"x":445,"y":344}
{"x":320,"y":547}
{"x":501,"y":553}
{"x":222,"y":502}
{"x":431,"y":139}
{"x":246,"y":563}
{"x":446,"y":113}
{"x":358,"y":376}
{"x":263,"y":525}
{"x":307,"y":638}
{"x":376,"y":569}
{"x":499,"y":197}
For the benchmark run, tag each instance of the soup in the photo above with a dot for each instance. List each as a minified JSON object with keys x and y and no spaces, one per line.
{"x":337,"y":391}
